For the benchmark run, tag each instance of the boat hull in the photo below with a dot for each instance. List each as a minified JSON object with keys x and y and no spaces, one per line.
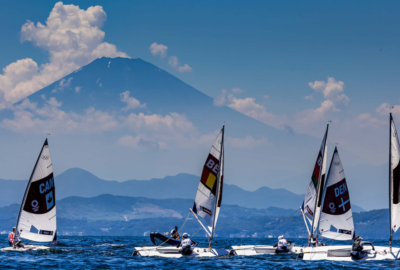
{"x":159,"y":239}
{"x":175,"y":252}
{"x":26,"y":248}
{"x":252,"y":250}
{"x":342,"y":253}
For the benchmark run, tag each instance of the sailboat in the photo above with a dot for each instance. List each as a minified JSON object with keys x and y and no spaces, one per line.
{"x":37,"y":215}
{"x":311,"y":205}
{"x":370,"y":252}
{"x":336,"y":218}
{"x":207,"y":205}
{"x":312,"y":201}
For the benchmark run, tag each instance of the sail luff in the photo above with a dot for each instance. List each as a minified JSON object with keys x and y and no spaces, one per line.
{"x":219,"y":184}
{"x":321,"y":182}
{"x":390,"y":181}
{"x":317,"y":189}
{"x":28,"y":186}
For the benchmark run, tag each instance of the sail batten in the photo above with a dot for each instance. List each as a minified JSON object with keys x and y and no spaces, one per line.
{"x":209,"y":192}
{"x":336,"y":220}
{"x":37,"y":217}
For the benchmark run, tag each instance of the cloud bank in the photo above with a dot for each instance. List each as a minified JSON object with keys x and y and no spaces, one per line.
{"x":72,"y":37}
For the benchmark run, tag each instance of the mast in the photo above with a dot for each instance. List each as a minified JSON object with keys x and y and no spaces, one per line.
{"x":390,"y":182}
{"x":27,"y":188}
{"x":319,"y":185}
{"x":218,"y":184}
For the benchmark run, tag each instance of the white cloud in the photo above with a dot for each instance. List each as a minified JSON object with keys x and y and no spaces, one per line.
{"x":174,"y":62}
{"x":314,"y":116}
{"x":78,"y":89}
{"x":331,"y":89}
{"x":158,"y":49}
{"x":310,"y":97}
{"x":161,"y":50}
{"x":185,"y":68}
{"x":237,"y":90}
{"x":139,"y":142}
{"x":266,"y":97}
{"x":72,"y":37}
{"x":28,"y":118}
{"x":367,"y":120}
{"x":379,"y":118}
{"x":174,"y":122}
{"x":249,"y":107}
{"x":132,"y":103}
{"x":247,"y":142}
{"x":63,"y":84}
{"x":221,"y":99}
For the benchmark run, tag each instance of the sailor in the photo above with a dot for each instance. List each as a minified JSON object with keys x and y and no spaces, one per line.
{"x":186,"y":244}
{"x":357,"y":244}
{"x":174,"y":233}
{"x":13,"y":239}
{"x":357,"y":250}
{"x":314,"y":241}
{"x":282,"y":245}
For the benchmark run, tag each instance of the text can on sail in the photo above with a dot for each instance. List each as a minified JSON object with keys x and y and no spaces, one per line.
{"x":37,"y":219}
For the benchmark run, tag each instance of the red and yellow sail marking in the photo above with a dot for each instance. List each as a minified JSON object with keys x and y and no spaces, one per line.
{"x":210,"y":172}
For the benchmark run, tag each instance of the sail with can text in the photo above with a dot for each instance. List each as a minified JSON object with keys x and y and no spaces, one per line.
{"x":37,"y":216}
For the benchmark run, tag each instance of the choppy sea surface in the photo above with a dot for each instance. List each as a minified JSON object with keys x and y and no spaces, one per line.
{"x":94,"y":252}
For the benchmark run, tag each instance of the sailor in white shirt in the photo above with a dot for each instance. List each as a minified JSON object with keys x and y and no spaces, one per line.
{"x":282,"y":245}
{"x":186,"y":244}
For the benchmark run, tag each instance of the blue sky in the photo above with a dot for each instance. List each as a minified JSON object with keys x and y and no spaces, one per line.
{"x":287,"y":64}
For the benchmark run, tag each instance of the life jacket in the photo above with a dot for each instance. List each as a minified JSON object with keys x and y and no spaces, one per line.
{"x":357,"y":246}
{"x":186,"y":242}
{"x":11,"y":238}
{"x":282,"y":243}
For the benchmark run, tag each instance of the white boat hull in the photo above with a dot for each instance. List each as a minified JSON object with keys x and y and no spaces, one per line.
{"x":25,"y":248}
{"x":251,"y":250}
{"x":174,"y":252}
{"x":342,"y":253}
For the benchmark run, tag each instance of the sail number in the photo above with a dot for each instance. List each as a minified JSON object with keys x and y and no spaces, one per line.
{"x":45,"y":187}
{"x":340,"y":190}
{"x":212,"y":166}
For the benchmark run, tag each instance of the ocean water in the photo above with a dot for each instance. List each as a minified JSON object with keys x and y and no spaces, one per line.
{"x":94,"y":252}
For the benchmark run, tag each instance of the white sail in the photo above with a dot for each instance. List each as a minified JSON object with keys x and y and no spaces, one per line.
{"x":37,"y":217}
{"x":210,"y":186}
{"x":394,"y":176}
{"x":311,"y":208}
{"x":336,"y":220}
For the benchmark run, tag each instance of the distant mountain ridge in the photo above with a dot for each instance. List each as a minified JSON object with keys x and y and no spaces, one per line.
{"x":123,"y":208}
{"x":121,"y":215}
{"x":81,"y":183}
